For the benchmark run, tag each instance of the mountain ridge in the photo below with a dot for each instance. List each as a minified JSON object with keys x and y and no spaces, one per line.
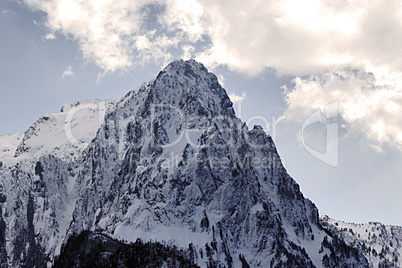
{"x":380,"y":243}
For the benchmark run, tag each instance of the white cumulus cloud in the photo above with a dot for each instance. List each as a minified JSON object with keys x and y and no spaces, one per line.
{"x":320,"y":41}
{"x":118,"y":34}
{"x":292,"y":36}
{"x":370,"y":103}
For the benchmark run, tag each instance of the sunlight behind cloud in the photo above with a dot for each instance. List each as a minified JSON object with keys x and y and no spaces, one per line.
{"x":321,"y":17}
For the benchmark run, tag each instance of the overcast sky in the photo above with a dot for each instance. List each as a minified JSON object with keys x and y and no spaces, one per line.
{"x":324,"y":77}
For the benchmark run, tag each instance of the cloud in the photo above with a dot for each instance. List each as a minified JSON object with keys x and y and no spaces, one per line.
{"x":50,"y":36}
{"x":292,"y":36}
{"x":319,"y":41}
{"x":236,"y":98}
{"x":117,"y":35}
{"x":370,"y":102}
{"x":6,"y":12}
{"x":68,"y":72}
{"x":303,"y":37}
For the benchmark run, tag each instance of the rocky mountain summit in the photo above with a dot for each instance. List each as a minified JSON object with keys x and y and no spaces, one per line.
{"x":168,"y":168}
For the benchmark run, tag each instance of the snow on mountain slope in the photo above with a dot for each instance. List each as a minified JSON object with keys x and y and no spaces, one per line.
{"x":66,"y":133}
{"x":32,"y":201}
{"x":381,"y":244}
{"x":171,"y":162}
{"x":9,"y":144}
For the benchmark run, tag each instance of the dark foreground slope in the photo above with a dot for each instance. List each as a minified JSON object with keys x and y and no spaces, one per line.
{"x":98,"y":250}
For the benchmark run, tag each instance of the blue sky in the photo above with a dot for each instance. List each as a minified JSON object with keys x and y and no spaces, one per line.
{"x":281,"y":61}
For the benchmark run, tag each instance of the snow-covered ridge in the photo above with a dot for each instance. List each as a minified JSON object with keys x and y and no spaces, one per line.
{"x":9,"y":144}
{"x":381,"y":244}
{"x":56,"y":142}
{"x":66,"y":133}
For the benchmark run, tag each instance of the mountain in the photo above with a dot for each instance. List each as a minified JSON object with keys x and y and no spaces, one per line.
{"x":36,"y":205}
{"x":169,"y":167}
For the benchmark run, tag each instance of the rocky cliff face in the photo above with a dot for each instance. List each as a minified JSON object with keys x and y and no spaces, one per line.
{"x":170,"y":162}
